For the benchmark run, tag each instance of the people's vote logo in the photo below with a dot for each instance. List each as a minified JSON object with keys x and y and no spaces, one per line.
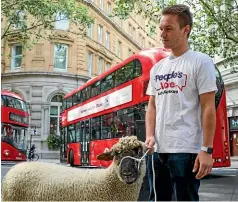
{"x":169,"y":81}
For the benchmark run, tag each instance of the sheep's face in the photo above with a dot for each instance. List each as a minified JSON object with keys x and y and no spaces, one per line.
{"x":128,"y":169}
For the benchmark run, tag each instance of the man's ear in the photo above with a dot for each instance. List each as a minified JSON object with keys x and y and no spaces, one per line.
{"x":187,"y":29}
{"x":106,"y":156}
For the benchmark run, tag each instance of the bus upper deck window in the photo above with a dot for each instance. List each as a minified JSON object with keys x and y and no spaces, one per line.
{"x":138,"y":68}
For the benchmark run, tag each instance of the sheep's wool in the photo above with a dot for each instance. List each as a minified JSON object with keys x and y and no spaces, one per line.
{"x":125,"y":144}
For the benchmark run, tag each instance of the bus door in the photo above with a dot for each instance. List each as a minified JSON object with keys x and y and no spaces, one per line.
{"x":84,"y":142}
{"x":63,"y":147}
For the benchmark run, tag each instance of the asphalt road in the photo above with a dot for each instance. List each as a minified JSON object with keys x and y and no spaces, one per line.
{"x":220,"y":185}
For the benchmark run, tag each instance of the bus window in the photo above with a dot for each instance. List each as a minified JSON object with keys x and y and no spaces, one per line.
{"x":69,"y":102}
{"x":119,"y":76}
{"x":75,"y":99}
{"x":137,"y":69}
{"x":4,"y":100}
{"x":95,"y":89}
{"x":107,"y":129}
{"x":96,"y":128}
{"x":220,"y":87}
{"x":129,"y":71}
{"x":10,"y":102}
{"x":18,"y":104}
{"x":77,"y":132}
{"x":83,"y":95}
{"x":88,"y":93}
{"x":79,"y":97}
{"x":107,"y":83}
{"x":118,"y":127}
{"x":71,"y":133}
{"x":125,"y":122}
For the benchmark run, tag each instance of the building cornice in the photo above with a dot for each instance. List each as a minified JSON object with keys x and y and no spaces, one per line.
{"x":36,"y":73}
{"x":121,"y":31}
{"x":226,"y":60}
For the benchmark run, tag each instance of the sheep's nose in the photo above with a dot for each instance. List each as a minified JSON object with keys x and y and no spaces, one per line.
{"x":127,"y":173}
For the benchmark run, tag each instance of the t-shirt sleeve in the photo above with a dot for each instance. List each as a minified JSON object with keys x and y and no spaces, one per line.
{"x":206,"y":78}
{"x":151,"y":89}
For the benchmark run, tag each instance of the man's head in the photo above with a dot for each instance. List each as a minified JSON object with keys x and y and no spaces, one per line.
{"x":175,"y":26}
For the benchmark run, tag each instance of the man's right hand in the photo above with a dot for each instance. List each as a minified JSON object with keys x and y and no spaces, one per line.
{"x":149,"y":143}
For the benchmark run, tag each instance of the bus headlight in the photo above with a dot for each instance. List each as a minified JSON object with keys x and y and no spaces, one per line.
{"x":6,"y":152}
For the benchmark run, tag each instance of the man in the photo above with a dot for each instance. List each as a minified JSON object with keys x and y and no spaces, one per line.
{"x":181,"y":114}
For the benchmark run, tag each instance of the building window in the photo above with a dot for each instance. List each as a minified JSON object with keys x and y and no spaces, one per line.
{"x":60,"y":56}
{"x":119,"y":49}
{"x":108,"y":40}
{"x":16,"y":56}
{"x":100,"y":60}
{"x":130,"y":30}
{"x":107,"y":66}
{"x":108,"y":8}
{"x":21,"y":21}
{"x":90,"y":31}
{"x":129,"y":52}
{"x":55,"y":104}
{"x":101,"y":4}
{"x":134,"y":33}
{"x":143,"y":42}
{"x":90,"y":63}
{"x":100,"y":29}
{"x":140,"y":39}
{"x":62,"y":22}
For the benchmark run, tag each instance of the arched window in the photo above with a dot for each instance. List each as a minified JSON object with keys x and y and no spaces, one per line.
{"x":55,"y":104}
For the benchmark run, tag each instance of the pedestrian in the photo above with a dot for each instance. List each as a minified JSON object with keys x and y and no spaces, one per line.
{"x":181,"y":115}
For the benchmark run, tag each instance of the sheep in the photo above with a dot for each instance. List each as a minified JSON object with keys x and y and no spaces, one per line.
{"x":121,"y":181}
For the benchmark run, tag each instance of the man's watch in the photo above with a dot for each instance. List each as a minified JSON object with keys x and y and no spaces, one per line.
{"x":209,"y":150}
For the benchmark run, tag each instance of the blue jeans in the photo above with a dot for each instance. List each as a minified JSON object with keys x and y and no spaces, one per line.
{"x":174,"y":179}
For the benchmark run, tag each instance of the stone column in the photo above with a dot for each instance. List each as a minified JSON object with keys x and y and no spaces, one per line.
{"x":45,"y":120}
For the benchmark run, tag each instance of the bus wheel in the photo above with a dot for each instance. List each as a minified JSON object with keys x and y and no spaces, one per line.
{"x":71,"y":158}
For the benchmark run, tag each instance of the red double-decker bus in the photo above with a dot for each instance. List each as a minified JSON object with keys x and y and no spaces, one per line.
{"x":14,"y":120}
{"x":113,"y":105}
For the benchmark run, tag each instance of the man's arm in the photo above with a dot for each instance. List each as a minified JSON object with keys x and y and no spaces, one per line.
{"x":207,"y":101}
{"x":150,"y":122}
{"x":204,"y":160}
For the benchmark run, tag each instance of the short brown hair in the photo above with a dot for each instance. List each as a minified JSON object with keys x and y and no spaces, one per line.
{"x":182,"y":11}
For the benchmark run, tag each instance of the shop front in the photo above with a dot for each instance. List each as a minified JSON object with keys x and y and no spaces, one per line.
{"x":233,"y":123}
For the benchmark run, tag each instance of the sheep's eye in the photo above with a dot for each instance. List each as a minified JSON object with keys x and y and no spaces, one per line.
{"x":139,"y":152}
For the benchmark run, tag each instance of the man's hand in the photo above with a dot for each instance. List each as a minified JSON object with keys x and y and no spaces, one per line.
{"x":203,"y":164}
{"x":149,"y":143}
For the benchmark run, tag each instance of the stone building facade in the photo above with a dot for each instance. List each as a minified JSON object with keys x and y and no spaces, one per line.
{"x":51,"y":69}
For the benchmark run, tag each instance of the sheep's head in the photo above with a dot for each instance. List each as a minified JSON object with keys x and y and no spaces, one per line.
{"x":128,"y":168}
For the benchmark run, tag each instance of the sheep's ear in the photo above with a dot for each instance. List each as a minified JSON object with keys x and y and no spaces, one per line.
{"x":106,"y":156}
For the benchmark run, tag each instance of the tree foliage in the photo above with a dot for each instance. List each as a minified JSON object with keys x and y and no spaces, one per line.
{"x":215,"y":22}
{"x":53,"y":141}
{"x":31,"y":20}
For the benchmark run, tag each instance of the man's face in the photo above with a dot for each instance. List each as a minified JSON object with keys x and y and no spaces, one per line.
{"x":171,"y":34}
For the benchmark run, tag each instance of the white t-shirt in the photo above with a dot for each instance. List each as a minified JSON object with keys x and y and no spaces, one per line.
{"x":176,"y":84}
